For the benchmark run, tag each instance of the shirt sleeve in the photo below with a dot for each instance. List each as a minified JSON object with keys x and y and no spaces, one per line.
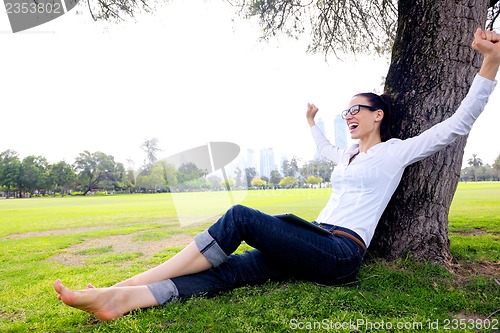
{"x":325,"y":148}
{"x":442,"y":134}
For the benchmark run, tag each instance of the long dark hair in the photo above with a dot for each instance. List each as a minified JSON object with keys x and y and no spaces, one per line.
{"x":384,"y":103}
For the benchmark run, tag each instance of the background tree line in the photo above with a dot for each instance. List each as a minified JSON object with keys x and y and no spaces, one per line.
{"x":478,"y":171}
{"x":91,"y":172}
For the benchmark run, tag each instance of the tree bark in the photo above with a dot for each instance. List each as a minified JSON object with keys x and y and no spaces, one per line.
{"x":431,"y":69}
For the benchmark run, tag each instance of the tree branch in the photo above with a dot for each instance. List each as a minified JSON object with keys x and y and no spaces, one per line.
{"x":493,"y":13}
{"x":90,"y":10}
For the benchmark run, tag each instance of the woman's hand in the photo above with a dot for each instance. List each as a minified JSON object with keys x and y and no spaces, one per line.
{"x":487,"y":43}
{"x":311,"y":113}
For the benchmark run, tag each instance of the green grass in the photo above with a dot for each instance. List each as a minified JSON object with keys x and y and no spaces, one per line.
{"x":474,"y":227}
{"x":33,"y":232}
{"x":96,"y":250}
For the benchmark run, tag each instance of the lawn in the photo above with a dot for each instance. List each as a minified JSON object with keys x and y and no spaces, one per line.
{"x":106,"y":239}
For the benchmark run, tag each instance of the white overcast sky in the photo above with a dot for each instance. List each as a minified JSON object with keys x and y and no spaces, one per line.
{"x":186,"y":75}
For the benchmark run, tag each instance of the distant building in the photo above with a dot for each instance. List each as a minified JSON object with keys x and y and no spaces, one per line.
{"x":340,"y":130}
{"x":282,"y":159}
{"x":267,"y":162}
{"x":250,"y":160}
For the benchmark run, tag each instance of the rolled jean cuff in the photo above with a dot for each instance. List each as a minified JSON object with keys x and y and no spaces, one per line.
{"x":163,"y":291}
{"x":210,"y":249}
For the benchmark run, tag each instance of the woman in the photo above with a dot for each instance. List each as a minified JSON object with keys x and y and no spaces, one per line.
{"x":366,"y":176}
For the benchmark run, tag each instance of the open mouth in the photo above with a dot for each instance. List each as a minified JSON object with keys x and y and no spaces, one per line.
{"x":352,"y":126}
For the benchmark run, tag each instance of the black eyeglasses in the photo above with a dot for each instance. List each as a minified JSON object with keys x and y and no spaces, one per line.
{"x":355,"y":109}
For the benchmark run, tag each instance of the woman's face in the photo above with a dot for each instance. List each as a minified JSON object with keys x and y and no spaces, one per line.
{"x":365,"y":123}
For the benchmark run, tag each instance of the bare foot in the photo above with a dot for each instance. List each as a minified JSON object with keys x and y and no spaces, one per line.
{"x":101,"y":302}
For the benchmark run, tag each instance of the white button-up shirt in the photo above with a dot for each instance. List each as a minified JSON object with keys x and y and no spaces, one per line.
{"x":361,"y":190}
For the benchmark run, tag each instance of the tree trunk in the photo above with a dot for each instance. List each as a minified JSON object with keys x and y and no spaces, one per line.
{"x":431,"y":69}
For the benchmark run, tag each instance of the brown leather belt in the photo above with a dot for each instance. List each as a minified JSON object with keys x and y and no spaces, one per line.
{"x":354,"y":238}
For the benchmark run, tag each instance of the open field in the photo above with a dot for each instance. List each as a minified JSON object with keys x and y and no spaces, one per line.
{"x":103,"y":240}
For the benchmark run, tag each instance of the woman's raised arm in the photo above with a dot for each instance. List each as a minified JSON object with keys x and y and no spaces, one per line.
{"x":487,"y":43}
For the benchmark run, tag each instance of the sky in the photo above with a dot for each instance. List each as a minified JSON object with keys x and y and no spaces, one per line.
{"x":188,"y":74}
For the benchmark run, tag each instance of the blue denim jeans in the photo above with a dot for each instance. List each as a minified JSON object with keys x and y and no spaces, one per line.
{"x":282,"y":250}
